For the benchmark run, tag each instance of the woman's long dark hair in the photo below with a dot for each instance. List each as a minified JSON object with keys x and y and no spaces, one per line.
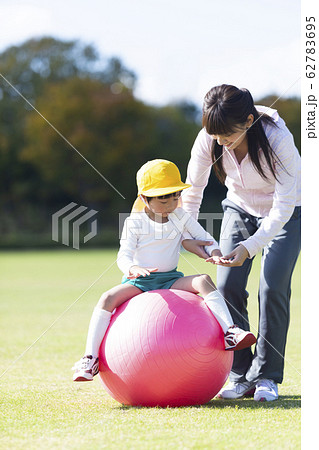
{"x":225,"y":108}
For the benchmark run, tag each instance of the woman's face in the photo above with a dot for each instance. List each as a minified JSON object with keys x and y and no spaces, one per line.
{"x":232,"y":140}
{"x":237,"y":137}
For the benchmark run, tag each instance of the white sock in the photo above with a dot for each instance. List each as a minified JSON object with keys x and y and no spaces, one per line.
{"x":98,"y":325}
{"x":216,"y":303}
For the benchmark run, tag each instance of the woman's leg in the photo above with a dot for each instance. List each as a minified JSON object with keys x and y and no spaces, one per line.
{"x":278,"y":262}
{"x":232,"y":281}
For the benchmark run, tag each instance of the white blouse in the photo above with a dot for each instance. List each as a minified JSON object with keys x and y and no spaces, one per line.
{"x":270,"y":199}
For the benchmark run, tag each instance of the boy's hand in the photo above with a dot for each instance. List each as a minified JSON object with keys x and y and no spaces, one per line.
{"x":137,"y":271}
{"x":216,"y":258}
{"x":197,"y":247}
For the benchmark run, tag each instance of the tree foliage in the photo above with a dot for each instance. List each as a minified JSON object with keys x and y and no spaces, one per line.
{"x":88,"y":121}
{"x":91,"y":116}
{"x":114,"y":132}
{"x":290,"y":110}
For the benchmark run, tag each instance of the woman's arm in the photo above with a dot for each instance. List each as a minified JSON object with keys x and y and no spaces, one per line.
{"x":285,"y":194}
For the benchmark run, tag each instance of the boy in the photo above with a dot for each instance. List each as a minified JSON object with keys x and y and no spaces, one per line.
{"x":148,"y":257}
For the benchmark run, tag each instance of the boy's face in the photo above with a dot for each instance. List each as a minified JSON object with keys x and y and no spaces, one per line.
{"x":163,"y":206}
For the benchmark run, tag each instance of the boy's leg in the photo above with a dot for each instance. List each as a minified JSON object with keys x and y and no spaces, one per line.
{"x":235,"y":338}
{"x":102,"y":314}
{"x":88,"y":366}
{"x":99,"y":322}
{"x":195,"y":283}
{"x":214,"y":300}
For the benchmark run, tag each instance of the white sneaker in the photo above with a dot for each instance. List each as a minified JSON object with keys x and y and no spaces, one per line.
{"x":237,"y":339}
{"x":266,"y":391}
{"x":86,"y":368}
{"x":237,"y":390}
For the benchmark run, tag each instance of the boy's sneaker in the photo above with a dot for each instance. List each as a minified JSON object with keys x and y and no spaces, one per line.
{"x":266,"y":391}
{"x":237,"y":390}
{"x":237,"y":339}
{"x":86,"y":368}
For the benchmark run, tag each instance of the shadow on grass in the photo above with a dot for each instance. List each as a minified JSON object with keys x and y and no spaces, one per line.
{"x":284,"y":402}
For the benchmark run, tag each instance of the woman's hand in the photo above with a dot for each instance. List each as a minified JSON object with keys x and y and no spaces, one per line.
{"x":137,"y":271}
{"x":235,"y":258}
{"x":197,"y":247}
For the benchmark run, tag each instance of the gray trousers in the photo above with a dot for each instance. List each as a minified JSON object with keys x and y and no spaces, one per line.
{"x":278,"y":261}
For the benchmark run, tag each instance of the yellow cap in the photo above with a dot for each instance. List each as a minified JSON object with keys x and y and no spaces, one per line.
{"x":159,"y":177}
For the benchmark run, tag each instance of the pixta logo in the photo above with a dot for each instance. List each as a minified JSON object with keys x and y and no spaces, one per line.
{"x":72,"y":215}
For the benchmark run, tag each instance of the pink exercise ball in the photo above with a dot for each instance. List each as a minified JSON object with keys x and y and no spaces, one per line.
{"x":164,"y":348}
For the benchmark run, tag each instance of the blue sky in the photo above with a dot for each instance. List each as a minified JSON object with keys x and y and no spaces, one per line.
{"x":179,"y":49}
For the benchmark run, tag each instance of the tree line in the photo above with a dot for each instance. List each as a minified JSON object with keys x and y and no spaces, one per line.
{"x":87,"y":140}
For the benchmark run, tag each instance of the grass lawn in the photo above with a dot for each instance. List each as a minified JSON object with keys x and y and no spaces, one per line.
{"x":46,"y":303}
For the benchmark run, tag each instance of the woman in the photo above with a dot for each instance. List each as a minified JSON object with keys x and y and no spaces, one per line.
{"x":253,"y":153}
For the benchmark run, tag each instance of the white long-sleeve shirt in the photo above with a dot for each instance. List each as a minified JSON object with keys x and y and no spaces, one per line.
{"x":270,"y":199}
{"x":151,"y":244}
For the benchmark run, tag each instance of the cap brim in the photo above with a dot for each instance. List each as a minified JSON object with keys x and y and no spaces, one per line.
{"x":164,"y":191}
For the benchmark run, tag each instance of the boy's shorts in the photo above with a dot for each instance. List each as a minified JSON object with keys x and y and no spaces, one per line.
{"x":156,"y":280}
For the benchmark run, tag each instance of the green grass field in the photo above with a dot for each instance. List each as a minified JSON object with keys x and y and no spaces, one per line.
{"x":46,"y":303}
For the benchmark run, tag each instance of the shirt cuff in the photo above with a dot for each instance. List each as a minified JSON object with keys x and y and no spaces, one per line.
{"x":251,"y":248}
{"x":210,"y":248}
